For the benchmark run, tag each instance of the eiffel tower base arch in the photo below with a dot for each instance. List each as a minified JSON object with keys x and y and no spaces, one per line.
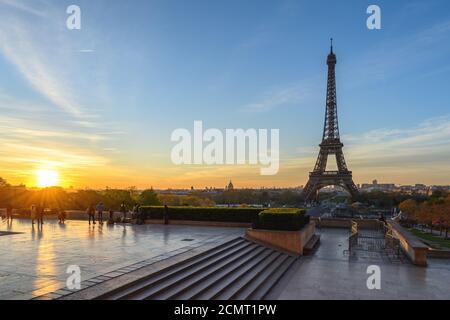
{"x":319,"y":181}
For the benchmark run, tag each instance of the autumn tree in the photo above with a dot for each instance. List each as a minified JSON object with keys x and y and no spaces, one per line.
{"x":410,"y":208}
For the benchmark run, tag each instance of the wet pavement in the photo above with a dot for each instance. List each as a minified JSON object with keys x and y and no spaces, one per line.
{"x":331,"y":274}
{"x":34,"y":261}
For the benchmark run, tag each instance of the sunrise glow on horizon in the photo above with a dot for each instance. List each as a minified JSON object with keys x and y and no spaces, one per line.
{"x":96,"y":107}
{"x":47,"y":178}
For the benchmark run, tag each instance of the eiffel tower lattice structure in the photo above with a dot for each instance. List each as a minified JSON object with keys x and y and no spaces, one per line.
{"x":331,"y":145}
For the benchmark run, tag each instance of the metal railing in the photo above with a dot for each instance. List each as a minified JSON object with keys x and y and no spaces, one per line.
{"x":377,"y":241}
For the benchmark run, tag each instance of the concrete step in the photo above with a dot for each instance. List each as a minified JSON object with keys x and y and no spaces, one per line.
{"x":236,"y":285}
{"x":120,"y":293}
{"x":264,"y":288}
{"x":205,"y":290}
{"x":166,"y":281}
{"x":239,"y":269}
{"x":213,"y":274}
{"x":252,"y":286}
{"x":312,"y":244}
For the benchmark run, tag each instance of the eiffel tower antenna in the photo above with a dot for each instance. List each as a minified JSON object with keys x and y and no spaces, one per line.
{"x":331,"y":145}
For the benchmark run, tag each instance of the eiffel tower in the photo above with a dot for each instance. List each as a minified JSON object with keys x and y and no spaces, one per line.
{"x":331,"y":144}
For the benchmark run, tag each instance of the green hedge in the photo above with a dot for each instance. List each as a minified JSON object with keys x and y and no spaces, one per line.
{"x":282,"y":219}
{"x":245,"y":215}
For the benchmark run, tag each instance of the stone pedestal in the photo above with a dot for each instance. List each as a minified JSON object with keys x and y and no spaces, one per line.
{"x":291,"y":241}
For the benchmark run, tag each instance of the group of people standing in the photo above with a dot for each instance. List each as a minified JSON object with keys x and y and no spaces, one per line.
{"x":95,"y":214}
{"x":9,"y":214}
{"x":37,"y":214}
{"x":92,"y":210}
{"x":99,"y":209}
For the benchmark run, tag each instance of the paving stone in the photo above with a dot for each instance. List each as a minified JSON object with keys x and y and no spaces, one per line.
{"x":329,"y":274}
{"x":34,"y":262}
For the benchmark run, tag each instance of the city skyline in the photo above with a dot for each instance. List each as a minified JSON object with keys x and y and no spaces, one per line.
{"x":98,"y":105}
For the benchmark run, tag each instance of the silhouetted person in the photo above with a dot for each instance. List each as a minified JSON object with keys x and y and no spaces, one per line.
{"x":166,"y":215}
{"x":111,"y":217}
{"x":9,"y":211}
{"x":123,"y":210}
{"x":91,"y":213}
{"x":40,"y":215}
{"x":137,"y":214}
{"x":383,"y":219}
{"x":33,"y":213}
{"x":100,"y":209}
{"x":61,"y":216}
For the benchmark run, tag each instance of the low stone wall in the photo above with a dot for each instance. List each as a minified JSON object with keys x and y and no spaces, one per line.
{"x":438,"y":254}
{"x":345,"y":223}
{"x":201,"y":223}
{"x":415,"y":250}
{"x":291,"y":241}
{"x":77,"y":215}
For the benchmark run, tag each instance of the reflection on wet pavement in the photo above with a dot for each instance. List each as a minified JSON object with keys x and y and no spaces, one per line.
{"x":35,"y":261}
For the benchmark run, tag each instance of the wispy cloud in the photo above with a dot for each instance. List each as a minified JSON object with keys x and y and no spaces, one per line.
{"x":393,"y":57}
{"x":86,"y":51}
{"x":274,"y":98}
{"x":40,"y":50}
{"x":24,"y":7}
{"x":18,"y":48}
{"x":425,"y":144}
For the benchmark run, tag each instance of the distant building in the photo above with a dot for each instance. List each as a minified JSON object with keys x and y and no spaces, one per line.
{"x":230,"y":186}
{"x":375,"y":186}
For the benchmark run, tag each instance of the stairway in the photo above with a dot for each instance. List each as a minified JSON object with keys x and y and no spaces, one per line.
{"x":236,"y":270}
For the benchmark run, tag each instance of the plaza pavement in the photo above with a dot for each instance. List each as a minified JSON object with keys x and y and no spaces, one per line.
{"x":34,"y":262}
{"x":330,"y":274}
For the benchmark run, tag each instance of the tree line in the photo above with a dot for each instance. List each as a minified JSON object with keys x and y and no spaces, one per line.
{"x":433,"y":213}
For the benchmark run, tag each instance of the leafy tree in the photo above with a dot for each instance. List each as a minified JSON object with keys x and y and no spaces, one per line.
{"x":188,"y":201}
{"x":149,"y":198}
{"x":3,"y":183}
{"x":410,"y":208}
{"x":113,"y":198}
{"x":82,"y":199}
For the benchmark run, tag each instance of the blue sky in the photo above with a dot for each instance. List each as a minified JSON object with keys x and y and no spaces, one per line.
{"x":99,"y":104}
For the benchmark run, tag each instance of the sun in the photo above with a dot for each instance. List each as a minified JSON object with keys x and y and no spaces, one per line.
{"x":47,"y":178}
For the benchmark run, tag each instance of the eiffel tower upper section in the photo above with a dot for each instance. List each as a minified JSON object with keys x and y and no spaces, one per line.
{"x":331,"y":141}
{"x":331,"y":127}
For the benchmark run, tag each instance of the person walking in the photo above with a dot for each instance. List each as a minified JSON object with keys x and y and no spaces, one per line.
{"x":91,"y":213}
{"x":9,"y":211}
{"x":61,"y":216}
{"x":100,"y":209}
{"x":33,"y":213}
{"x":40,"y":215}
